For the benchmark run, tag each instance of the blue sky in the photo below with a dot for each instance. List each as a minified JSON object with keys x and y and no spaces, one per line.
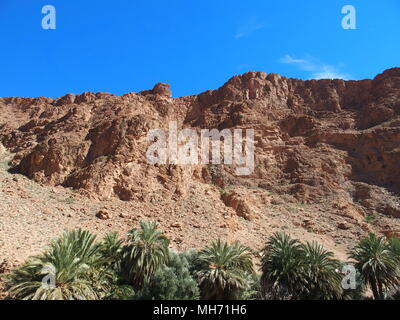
{"x":123,"y":46}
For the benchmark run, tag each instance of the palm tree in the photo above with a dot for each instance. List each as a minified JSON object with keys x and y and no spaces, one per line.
{"x":146,"y":251}
{"x":378,"y":264}
{"x":111,"y":249}
{"x":322,"y":273}
{"x":283,"y":268}
{"x":224,"y":269}
{"x":69,"y":270}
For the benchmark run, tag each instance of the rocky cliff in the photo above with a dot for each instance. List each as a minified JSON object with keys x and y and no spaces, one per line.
{"x":333,"y":145}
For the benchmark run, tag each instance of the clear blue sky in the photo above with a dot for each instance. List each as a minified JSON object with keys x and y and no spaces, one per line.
{"x":121,"y":46}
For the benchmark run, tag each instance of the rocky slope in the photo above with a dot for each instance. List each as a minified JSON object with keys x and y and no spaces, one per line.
{"x":327,"y":158}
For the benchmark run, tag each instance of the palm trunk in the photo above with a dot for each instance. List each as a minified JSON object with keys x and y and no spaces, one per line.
{"x":374,"y":288}
{"x":381,"y":295}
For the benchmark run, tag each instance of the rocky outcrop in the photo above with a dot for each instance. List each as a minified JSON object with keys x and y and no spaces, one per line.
{"x":161,"y":89}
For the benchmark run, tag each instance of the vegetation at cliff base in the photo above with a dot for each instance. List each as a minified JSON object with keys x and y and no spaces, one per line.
{"x":143,"y":267}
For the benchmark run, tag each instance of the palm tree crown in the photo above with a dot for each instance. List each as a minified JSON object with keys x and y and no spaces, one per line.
{"x":224,"y":270}
{"x":377,"y":261}
{"x":292,"y":270}
{"x":146,"y":251}
{"x":322,"y":273}
{"x":282,"y":262}
{"x":66,"y":271}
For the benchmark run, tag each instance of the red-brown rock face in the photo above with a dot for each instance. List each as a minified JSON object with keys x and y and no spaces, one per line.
{"x":313,"y":139}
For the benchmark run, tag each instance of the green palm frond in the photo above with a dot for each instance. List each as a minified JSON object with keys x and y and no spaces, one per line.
{"x":68,"y":270}
{"x":146,"y":251}
{"x":377,"y":261}
{"x":322,"y":271}
{"x":224,"y":269}
{"x":292,"y":270}
{"x":111,"y":249}
{"x":283,"y":268}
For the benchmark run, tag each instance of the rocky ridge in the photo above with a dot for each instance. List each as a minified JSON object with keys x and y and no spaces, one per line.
{"x":326,"y":158}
